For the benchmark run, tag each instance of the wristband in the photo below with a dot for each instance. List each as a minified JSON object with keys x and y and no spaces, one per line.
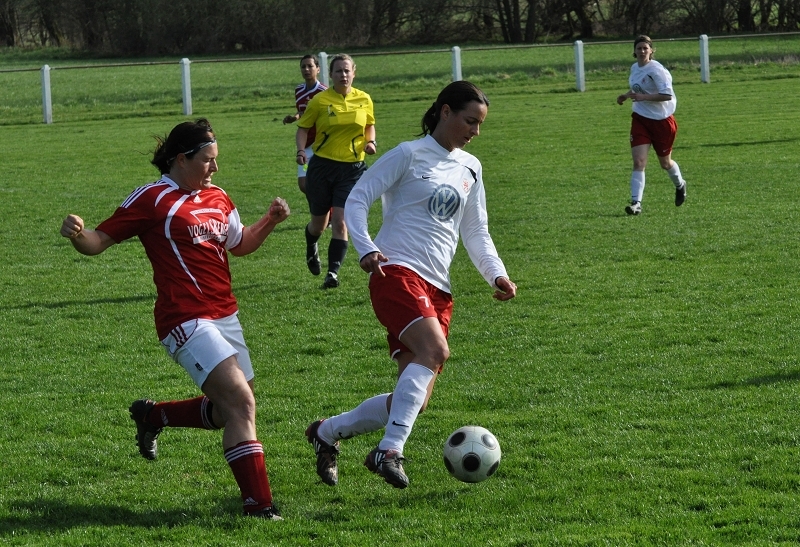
{"x":301,"y":152}
{"x":373,"y":142}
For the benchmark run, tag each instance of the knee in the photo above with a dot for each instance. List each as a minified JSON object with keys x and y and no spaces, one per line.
{"x":439,"y":354}
{"x":241,"y":407}
{"x":338,"y":227}
{"x":444,"y":353}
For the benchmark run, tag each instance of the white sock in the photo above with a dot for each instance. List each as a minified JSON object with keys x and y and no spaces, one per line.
{"x":674,"y":173}
{"x":371,"y":415}
{"x":409,"y":394}
{"x":637,"y":185}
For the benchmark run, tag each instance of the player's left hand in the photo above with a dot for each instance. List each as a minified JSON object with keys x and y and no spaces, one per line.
{"x":279,"y":210}
{"x":506,"y":289}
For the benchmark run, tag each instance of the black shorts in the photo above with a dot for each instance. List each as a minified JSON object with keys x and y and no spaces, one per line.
{"x":328,"y":183}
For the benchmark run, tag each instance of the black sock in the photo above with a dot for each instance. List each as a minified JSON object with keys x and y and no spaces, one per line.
{"x":336,"y":253}
{"x":310,"y":239}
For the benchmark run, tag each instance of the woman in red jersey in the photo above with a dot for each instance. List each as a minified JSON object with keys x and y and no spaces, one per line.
{"x":187,"y":226}
{"x":309,"y":69}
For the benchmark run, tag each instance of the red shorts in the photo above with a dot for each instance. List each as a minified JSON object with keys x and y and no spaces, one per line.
{"x":403,"y":298}
{"x":659,"y":133}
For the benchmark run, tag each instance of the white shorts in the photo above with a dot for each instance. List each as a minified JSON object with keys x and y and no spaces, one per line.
{"x":200,"y":345}
{"x":301,"y":169}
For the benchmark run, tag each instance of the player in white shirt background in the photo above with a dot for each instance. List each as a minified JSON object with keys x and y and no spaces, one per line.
{"x":432,"y":193}
{"x":653,"y":121}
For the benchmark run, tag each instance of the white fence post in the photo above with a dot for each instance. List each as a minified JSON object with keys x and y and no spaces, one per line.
{"x":580,"y":75}
{"x":456,"y":55}
{"x":705,"y":69}
{"x":186,"y":84}
{"x":323,"y":68}
{"x":47,"y":101}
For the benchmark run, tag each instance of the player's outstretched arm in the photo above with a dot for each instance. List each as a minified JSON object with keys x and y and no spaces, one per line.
{"x":506,"y":289}
{"x":253,"y":236}
{"x":87,"y":242}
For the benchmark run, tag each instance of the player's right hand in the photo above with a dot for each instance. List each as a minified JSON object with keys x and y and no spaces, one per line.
{"x":371,"y":263}
{"x":72,"y":226}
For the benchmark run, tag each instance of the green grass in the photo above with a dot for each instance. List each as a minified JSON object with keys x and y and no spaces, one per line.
{"x":643,"y":386}
{"x":113,"y":92}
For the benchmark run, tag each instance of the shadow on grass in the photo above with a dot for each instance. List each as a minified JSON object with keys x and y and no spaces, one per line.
{"x":72,"y":303}
{"x":102,"y":301}
{"x":768,"y":379}
{"x":752,"y":143}
{"x":53,"y":516}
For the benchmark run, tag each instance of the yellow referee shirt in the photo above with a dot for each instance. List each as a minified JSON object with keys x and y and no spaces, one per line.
{"x":340,"y":123}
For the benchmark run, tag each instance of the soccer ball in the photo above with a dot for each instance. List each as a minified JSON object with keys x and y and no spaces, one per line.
{"x":471,"y":453}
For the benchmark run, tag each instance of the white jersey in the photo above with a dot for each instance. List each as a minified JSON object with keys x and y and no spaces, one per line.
{"x":429,"y":197}
{"x":653,"y":78}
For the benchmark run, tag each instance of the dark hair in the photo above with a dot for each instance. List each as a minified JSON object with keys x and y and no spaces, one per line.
{"x":643,"y":38}
{"x":312,"y":57}
{"x":185,"y":138}
{"x":457,"y":96}
{"x":341,"y":57}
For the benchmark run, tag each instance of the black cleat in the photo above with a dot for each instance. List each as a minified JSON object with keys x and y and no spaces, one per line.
{"x":680,"y":195}
{"x":327,"y":468}
{"x":331,"y":281}
{"x":269,"y":512}
{"x":312,"y":259}
{"x":146,"y":434}
{"x":389,"y":465}
{"x":635,"y":208}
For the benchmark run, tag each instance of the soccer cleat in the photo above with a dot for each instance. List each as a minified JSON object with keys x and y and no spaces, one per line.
{"x":327,"y":468}
{"x":680,"y":195}
{"x":312,"y":259}
{"x":634,"y":208}
{"x":270,"y":512}
{"x":331,"y":281}
{"x":389,"y":465}
{"x":146,"y":434}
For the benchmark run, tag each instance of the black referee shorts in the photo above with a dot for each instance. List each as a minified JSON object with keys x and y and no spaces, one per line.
{"x":328,"y":183}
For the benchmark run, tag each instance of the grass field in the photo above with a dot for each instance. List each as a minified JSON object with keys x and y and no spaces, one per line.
{"x":644,"y":385}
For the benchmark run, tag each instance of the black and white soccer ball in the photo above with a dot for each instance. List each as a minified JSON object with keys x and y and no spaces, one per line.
{"x":472,"y":453}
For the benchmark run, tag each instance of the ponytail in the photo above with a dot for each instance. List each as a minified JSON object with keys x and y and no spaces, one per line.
{"x":455,"y":95}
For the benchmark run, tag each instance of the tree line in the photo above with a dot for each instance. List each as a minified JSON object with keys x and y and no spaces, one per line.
{"x":169,"y":27}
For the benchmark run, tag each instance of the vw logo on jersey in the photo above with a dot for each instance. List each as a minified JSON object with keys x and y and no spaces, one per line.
{"x":444,"y":202}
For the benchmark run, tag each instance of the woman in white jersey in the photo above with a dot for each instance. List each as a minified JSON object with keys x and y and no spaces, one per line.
{"x":432,"y":192}
{"x":187,"y":226}
{"x":652,"y":122}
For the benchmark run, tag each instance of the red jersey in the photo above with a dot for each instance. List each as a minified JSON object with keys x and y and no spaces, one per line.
{"x":186,"y":236}
{"x":301,"y":98}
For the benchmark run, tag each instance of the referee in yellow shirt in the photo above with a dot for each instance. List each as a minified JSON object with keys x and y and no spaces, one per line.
{"x":345,"y":123}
